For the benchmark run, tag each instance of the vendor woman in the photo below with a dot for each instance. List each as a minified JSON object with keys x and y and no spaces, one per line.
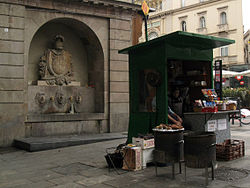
{"x":177,"y":100}
{"x":173,"y":118}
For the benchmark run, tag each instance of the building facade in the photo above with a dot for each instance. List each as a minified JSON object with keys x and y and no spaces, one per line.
{"x":60,"y":68}
{"x":220,"y":18}
{"x":247,"y":47}
{"x":156,"y":4}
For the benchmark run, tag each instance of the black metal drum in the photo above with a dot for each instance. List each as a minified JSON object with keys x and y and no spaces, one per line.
{"x":200,"y":149}
{"x":171,"y":143}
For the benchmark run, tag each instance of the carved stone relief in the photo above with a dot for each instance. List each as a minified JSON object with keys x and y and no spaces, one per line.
{"x":49,"y":100}
{"x":55,"y":65}
{"x":78,"y":99}
{"x":60,"y":100}
{"x":40,"y":99}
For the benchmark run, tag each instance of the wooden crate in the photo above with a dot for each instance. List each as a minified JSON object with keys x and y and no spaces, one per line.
{"x":132,"y":159}
{"x":230,"y":149}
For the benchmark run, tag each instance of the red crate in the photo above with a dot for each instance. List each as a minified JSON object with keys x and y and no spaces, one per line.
{"x":230,"y":150}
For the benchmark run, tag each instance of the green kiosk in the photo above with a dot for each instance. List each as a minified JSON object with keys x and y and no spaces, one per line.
{"x":156,"y":67}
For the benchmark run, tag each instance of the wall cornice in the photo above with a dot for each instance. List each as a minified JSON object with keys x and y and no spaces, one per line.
{"x":187,"y":8}
{"x":112,"y":3}
{"x":110,"y":8}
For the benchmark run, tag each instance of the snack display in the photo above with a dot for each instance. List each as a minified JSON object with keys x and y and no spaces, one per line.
{"x":212,"y":103}
{"x":165,"y":127}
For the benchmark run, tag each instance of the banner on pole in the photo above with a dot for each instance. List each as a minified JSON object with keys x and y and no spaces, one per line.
{"x":145,"y":8}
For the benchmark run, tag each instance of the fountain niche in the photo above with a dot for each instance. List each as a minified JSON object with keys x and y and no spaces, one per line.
{"x":65,"y":71}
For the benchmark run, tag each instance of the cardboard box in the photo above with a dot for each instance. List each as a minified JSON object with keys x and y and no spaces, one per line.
{"x":144,"y":144}
{"x":147,"y":156}
{"x":132,"y":159}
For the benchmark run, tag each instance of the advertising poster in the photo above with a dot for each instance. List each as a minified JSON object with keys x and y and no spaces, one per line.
{"x":222,"y":124}
{"x":211,"y":125}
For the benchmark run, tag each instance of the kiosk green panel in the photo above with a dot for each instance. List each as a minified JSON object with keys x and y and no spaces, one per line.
{"x":149,"y":66}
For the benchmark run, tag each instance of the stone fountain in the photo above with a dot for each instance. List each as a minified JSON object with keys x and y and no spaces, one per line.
{"x":57,"y":91}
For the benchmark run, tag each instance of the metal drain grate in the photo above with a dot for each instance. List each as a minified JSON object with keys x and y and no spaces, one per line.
{"x":230,"y":174}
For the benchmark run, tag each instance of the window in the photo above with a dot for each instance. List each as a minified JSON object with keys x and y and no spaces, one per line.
{"x":182,"y":3}
{"x":223,"y":18}
{"x":224,"y":51}
{"x":152,"y":35}
{"x":160,"y":5}
{"x":183,"y":26}
{"x":202,"y":22}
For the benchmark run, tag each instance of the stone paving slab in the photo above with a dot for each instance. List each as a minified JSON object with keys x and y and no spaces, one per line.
{"x":243,"y":183}
{"x":53,"y":142}
{"x":95,"y":180}
{"x":42,"y":184}
{"x":70,"y":185}
{"x":14,"y":183}
{"x":43,"y":177}
{"x":66,"y":179}
{"x":72,"y":169}
{"x":33,"y":177}
{"x":100,"y":186}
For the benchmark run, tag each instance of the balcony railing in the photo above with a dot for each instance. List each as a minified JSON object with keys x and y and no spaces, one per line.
{"x":202,"y":30}
{"x":223,"y":28}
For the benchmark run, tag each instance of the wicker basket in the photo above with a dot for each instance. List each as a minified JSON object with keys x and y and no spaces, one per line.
{"x":197,"y":109}
{"x":231,"y":106}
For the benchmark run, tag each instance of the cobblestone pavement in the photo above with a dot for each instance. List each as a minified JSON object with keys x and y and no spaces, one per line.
{"x":85,"y":166}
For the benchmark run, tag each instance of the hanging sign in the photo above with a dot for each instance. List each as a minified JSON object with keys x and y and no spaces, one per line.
{"x":218,"y":77}
{"x":238,"y":77}
{"x":145,"y":8}
{"x":242,"y":83}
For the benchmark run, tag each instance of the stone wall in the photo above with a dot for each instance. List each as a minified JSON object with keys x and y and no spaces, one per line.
{"x":12,"y":107}
{"x":120,"y":37}
{"x":19,"y":21}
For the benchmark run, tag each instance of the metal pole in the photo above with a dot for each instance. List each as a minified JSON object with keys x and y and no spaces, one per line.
{"x":146,"y":27}
{"x":240,"y":110}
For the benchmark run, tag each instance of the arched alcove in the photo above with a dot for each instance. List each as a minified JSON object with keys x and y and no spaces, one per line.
{"x":86,"y":51}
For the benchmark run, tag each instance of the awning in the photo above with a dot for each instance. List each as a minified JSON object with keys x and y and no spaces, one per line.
{"x":244,"y":73}
{"x":228,"y":74}
{"x":182,"y":39}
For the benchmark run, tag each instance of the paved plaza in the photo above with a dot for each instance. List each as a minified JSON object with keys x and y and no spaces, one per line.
{"x":85,"y":166}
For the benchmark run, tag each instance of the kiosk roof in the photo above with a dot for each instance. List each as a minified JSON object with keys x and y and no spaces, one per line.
{"x":183,"y":39}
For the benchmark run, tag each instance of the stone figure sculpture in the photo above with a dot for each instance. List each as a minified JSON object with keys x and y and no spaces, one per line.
{"x":55,"y":65}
